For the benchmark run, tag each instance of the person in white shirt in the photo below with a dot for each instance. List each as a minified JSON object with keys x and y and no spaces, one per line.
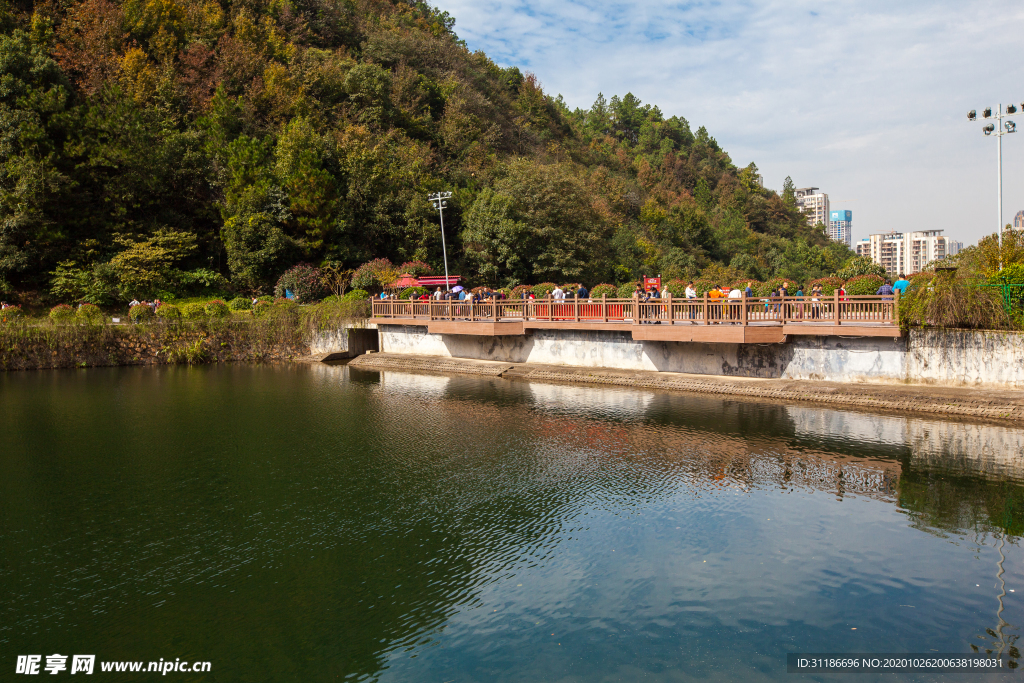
{"x":734,"y":308}
{"x":691,"y":294}
{"x":557,"y":293}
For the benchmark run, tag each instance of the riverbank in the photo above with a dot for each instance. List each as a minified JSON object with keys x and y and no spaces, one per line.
{"x":41,"y":347}
{"x":987,"y":404}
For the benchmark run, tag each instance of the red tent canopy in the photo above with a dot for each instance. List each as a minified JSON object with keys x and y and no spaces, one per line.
{"x":435,"y":281}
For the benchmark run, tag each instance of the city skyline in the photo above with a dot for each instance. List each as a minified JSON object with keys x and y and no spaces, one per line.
{"x":757,"y":73}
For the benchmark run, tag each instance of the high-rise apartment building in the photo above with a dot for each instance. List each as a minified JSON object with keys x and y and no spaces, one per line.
{"x":953,"y":247}
{"x":1018,"y":221}
{"x":814,"y":204}
{"x":840,"y":226}
{"x":904,"y":252}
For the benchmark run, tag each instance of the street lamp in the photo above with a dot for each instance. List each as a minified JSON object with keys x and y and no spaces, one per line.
{"x":440,"y":202}
{"x":999,"y":129}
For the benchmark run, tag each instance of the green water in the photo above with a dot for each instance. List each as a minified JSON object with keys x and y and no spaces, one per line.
{"x":317,"y":523}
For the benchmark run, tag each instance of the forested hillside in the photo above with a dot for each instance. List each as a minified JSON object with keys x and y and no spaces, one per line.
{"x":166,"y":146}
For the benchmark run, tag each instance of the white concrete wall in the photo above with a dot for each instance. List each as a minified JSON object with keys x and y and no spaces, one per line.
{"x":957,"y":358}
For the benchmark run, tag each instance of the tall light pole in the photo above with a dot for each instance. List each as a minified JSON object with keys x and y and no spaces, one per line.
{"x":999,"y":129}
{"x":440,"y":202}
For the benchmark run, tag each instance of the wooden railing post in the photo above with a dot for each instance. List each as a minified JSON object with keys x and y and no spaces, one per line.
{"x":706,"y":321}
{"x":604,"y":307}
{"x":743,"y":308}
{"x":550,"y":306}
{"x":835,"y":296}
{"x":472,"y":307}
{"x":494,"y":307}
{"x":576,"y":305}
{"x":896,"y":306}
{"x":636,"y":309}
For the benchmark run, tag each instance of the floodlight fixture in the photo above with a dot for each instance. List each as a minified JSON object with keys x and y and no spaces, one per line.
{"x":998,"y":129}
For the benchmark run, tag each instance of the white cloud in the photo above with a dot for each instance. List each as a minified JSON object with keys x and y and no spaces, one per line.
{"x":866,"y":99}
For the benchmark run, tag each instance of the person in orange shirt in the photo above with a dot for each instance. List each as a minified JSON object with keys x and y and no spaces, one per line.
{"x":715,"y":295}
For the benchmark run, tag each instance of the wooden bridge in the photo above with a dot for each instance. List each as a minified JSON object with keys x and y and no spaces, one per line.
{"x":733,"y":321}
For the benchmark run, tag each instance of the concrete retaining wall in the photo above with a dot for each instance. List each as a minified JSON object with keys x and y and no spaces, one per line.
{"x":953,"y":358}
{"x":346,"y":342}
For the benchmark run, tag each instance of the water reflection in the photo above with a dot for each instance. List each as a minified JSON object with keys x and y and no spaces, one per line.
{"x":315,"y":523}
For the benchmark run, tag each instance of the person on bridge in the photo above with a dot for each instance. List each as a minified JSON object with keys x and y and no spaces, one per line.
{"x":691,"y":300}
{"x":715,"y":308}
{"x":901,"y":285}
{"x":557,"y":293}
{"x":885,"y":290}
{"x":582,"y":292}
{"x":735,"y":295}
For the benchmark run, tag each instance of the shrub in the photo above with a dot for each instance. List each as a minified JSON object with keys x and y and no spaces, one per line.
{"x":543,"y":289}
{"x":417,"y":268}
{"x":863,"y":284}
{"x":283,"y":304}
{"x":374,"y":274}
{"x":742,"y":284}
{"x":261,"y":308}
{"x":413,"y":291}
{"x":10,"y":314}
{"x":61,"y":314}
{"x":521,"y":291}
{"x":168,"y":312}
{"x":626,"y":290}
{"x":604,"y":289}
{"x":828,"y":285}
{"x":90,"y":314}
{"x":140,"y":313}
{"x":217,"y":309}
{"x":703,"y":286}
{"x":354,"y":294}
{"x":766,"y":288}
{"x":953,"y":302}
{"x":860,"y":265}
{"x":240,"y":303}
{"x":193,"y":311}
{"x":304,"y":281}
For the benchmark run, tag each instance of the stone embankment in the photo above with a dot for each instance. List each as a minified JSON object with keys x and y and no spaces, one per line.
{"x":1001,"y":405}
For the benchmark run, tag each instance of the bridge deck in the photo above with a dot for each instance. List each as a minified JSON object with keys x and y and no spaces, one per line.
{"x":736,"y":321}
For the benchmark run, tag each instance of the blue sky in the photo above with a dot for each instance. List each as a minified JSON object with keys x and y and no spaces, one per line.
{"x":865,"y":99}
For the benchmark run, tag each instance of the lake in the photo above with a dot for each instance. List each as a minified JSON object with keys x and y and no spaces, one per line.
{"x":317,"y":522}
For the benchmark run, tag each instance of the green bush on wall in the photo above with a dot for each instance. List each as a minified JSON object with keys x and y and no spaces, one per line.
{"x":140,"y":313}
{"x":90,"y":314}
{"x":62,"y":314}
{"x":193,"y":311}
{"x":603,"y":289}
{"x":863,"y":284}
{"x":168,"y":312}
{"x":413,"y":291}
{"x":217,"y":309}
{"x":626,"y":290}
{"x":10,"y":314}
{"x":828,"y":286}
{"x":543,"y":289}
{"x":240,"y":303}
{"x":355,"y":294}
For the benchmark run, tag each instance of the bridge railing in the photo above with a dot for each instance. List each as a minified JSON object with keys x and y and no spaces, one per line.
{"x":825,"y":310}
